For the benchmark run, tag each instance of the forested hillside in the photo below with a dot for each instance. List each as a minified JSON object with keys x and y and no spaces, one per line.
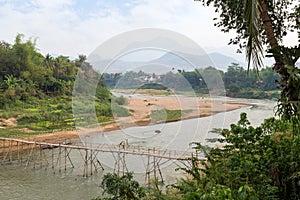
{"x":36,"y":90}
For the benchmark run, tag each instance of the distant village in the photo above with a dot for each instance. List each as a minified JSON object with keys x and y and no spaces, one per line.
{"x":151,"y":78}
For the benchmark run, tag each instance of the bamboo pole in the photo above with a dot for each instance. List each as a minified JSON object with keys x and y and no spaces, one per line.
{"x":46,"y":160}
{"x":18,"y":152}
{"x":59,"y":158}
{"x":41,"y":157}
{"x":34,"y":158}
{"x":21,"y":153}
{"x":68,"y":155}
{"x":52,"y":157}
{"x":91,"y":162}
{"x":85,"y":164}
{"x":3,"y":149}
{"x":65,"y":157}
{"x":10,"y":151}
{"x":29,"y":155}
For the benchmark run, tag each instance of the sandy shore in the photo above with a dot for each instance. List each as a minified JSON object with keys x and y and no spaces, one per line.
{"x":141,"y":109}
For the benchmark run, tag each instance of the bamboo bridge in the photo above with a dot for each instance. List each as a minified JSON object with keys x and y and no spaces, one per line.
{"x":57,"y":156}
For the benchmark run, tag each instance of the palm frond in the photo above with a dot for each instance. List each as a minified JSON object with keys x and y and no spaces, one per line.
{"x":254,"y":48}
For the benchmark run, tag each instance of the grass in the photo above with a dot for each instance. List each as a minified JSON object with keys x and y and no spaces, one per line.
{"x":168,"y":115}
{"x":120,"y":111}
{"x":144,"y":91}
{"x":48,"y":115}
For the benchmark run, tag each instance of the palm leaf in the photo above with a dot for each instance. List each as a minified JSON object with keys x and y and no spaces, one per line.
{"x":254,"y":48}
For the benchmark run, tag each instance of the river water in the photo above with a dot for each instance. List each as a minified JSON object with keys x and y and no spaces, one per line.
{"x":19,"y":183}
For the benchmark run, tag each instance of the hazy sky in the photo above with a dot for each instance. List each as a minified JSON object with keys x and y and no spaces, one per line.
{"x":72,"y":27}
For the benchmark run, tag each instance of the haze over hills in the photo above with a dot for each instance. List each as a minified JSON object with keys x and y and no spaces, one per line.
{"x":215,"y":59}
{"x":167,"y":62}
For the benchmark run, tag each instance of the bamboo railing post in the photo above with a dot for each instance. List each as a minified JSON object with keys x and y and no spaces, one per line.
{"x":59,"y":158}
{"x":68,"y":155}
{"x":29,"y":155}
{"x":65,"y":157}
{"x":18,"y":152}
{"x":91,"y":161}
{"x":52,"y":158}
{"x":4,"y":148}
{"x":21,"y":154}
{"x":85,"y":164}
{"x":10,"y":151}
{"x":41,"y":156}
{"x":34,"y":157}
{"x":154,"y":162}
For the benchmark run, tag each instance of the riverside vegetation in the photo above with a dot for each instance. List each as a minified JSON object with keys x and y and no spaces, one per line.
{"x":237,"y":81}
{"x":36,"y":91}
{"x":254,"y":163}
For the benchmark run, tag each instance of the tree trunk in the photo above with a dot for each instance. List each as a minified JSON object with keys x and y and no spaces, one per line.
{"x":270,"y":33}
{"x":289,"y":100}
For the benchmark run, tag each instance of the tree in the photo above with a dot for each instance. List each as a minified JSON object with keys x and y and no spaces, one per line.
{"x":121,"y":187}
{"x":235,"y":74}
{"x":265,"y":22}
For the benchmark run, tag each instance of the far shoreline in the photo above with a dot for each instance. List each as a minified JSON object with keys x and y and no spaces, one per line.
{"x":141,"y":108}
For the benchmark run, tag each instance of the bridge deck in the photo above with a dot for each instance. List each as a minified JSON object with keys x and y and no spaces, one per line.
{"x":124,"y":149}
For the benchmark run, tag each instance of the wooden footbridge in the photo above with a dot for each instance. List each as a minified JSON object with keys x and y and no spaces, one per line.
{"x":58,"y":156}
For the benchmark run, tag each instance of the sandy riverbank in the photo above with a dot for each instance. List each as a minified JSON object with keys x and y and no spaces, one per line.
{"x":141,"y":109}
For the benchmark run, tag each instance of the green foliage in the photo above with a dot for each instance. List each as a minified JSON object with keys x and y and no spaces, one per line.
{"x":119,"y":111}
{"x":112,"y":79}
{"x":240,"y":83}
{"x":289,"y":103}
{"x":233,"y":17}
{"x":120,"y":100}
{"x":167,"y":115}
{"x":258,"y":23}
{"x":121,"y":187}
{"x":254,"y":163}
{"x":154,"y":86}
{"x":37,"y":89}
{"x":237,"y":81}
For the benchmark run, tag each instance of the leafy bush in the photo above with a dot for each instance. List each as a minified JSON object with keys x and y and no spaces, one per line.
{"x":154,"y":86}
{"x":119,"y":111}
{"x":121,"y":187}
{"x":167,"y":115}
{"x":120,"y":100}
{"x":254,"y":163}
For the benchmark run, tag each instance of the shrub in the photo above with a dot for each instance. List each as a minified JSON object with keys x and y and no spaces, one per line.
{"x":120,"y":100}
{"x":121,"y":187}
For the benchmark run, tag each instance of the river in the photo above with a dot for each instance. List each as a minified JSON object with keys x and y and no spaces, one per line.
{"x":19,"y":183}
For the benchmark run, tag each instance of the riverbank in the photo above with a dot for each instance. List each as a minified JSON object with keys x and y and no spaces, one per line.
{"x":141,"y":109}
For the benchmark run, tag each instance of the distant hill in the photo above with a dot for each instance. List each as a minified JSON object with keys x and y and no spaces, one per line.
{"x":222,"y":61}
{"x":167,"y":62}
{"x":217,"y":60}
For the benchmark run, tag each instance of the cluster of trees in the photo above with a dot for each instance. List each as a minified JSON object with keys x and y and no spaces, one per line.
{"x":25,"y":73}
{"x":238,"y":82}
{"x":37,"y":89}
